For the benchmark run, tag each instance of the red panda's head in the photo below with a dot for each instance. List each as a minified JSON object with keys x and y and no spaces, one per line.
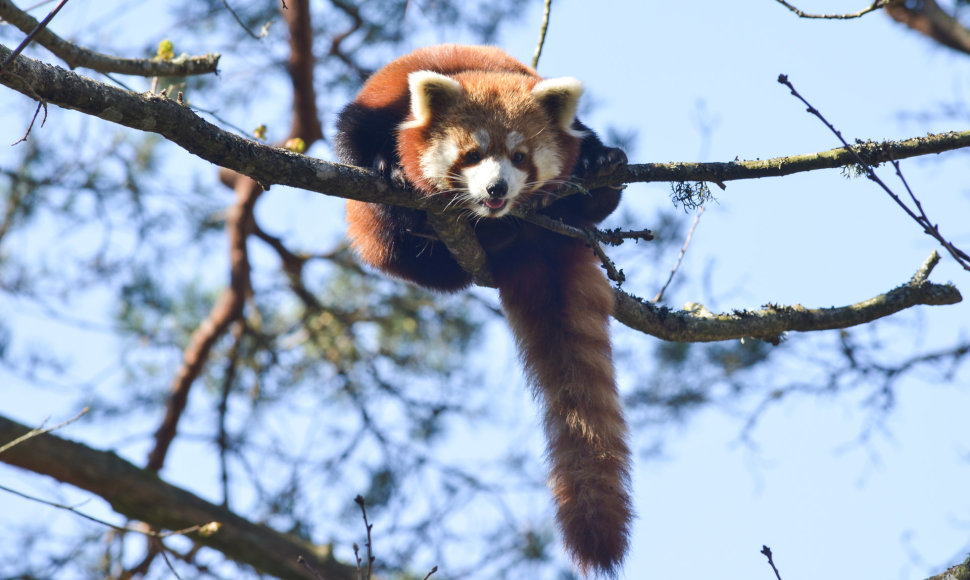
{"x":490,"y":139}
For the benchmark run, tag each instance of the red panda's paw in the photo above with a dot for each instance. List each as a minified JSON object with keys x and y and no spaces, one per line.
{"x":393,"y":173}
{"x":603,"y":161}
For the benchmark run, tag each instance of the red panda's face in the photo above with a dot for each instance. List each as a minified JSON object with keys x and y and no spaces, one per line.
{"x":489,"y":140}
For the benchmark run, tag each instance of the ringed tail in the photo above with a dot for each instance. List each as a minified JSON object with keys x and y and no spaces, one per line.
{"x":559,"y":306}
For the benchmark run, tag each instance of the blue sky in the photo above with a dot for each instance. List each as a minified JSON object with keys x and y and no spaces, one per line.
{"x":828,"y":506}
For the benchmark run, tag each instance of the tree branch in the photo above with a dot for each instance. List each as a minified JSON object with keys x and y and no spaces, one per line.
{"x":959,"y":572}
{"x":718,"y":172}
{"x":917,"y":213}
{"x":270,"y":165}
{"x":769,"y":323}
{"x":301,"y":62}
{"x":239,"y":225}
{"x":227,"y":309}
{"x":140,"y":495}
{"x":871,"y":8}
{"x":76,"y":56}
{"x":926,"y":17}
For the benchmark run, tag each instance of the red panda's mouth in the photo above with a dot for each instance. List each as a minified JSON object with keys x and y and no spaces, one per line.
{"x":494,"y":204}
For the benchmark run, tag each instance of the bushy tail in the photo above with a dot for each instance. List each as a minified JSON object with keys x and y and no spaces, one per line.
{"x":558,"y":303}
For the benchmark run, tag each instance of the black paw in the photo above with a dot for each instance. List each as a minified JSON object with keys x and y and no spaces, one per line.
{"x":392,"y":173}
{"x":602,"y":161}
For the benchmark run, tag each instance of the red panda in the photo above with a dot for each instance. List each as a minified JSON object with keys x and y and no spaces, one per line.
{"x":485,"y":131}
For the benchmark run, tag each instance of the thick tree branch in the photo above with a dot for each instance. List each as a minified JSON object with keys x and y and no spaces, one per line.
{"x":926,"y":17}
{"x":959,"y":572}
{"x":239,"y":225}
{"x":228,"y":309}
{"x":270,"y":165}
{"x":719,"y":172}
{"x":459,"y":237}
{"x":140,"y":495}
{"x":306,"y":120}
{"x":179,"y":124}
{"x":76,"y":56}
{"x":773,"y":320}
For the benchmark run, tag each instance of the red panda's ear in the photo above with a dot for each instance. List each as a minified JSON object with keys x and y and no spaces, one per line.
{"x":431,"y":92}
{"x":560,"y":97}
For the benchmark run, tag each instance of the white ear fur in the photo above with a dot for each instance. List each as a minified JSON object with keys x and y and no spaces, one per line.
{"x":560,"y":97}
{"x":431,"y":91}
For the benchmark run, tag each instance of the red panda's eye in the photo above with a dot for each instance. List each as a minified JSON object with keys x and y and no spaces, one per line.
{"x":518,"y":158}
{"x":472,"y":157}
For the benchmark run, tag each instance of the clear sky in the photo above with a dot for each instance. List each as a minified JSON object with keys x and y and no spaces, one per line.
{"x":697,"y":81}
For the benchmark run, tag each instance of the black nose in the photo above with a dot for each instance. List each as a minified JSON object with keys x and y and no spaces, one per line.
{"x":497,"y":189}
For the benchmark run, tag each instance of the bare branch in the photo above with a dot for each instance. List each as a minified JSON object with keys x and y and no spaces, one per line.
{"x":76,"y":56}
{"x":680,"y":257}
{"x":719,"y":172}
{"x":179,"y":124}
{"x":767,"y":552}
{"x":228,"y":308}
{"x":543,"y":28}
{"x":37,"y":29}
{"x":918,"y":215}
{"x":300,"y":65}
{"x":926,"y":17}
{"x":140,"y":495}
{"x":242,"y":24}
{"x":41,"y":430}
{"x":773,"y":320}
{"x":270,"y":165}
{"x":134,"y":529}
{"x":458,"y":235}
{"x":359,"y":500}
{"x":591,"y":236}
{"x":959,"y":572}
{"x":872,"y":7}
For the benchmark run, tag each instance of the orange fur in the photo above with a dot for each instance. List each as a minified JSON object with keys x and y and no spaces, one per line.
{"x":470,"y":112}
{"x":559,"y":311}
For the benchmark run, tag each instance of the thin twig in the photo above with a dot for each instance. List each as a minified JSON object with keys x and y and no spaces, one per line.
{"x":680,"y":258}
{"x":616,"y":236}
{"x":41,"y":430}
{"x":922,"y":219}
{"x":145,"y":532}
{"x":239,"y":21}
{"x":767,"y":552}
{"x":873,"y":7}
{"x":164,"y":552}
{"x":591,"y":236}
{"x":76,"y":56}
{"x":543,"y":28}
{"x":302,"y":562}
{"x":370,"y":552}
{"x":30,"y":37}
{"x":228,"y":382}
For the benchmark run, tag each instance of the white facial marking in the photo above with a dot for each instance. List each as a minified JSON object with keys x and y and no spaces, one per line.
{"x":478,"y":178}
{"x":482,"y":138}
{"x":437,"y":161}
{"x":513,"y":140}
{"x":548,"y":163}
